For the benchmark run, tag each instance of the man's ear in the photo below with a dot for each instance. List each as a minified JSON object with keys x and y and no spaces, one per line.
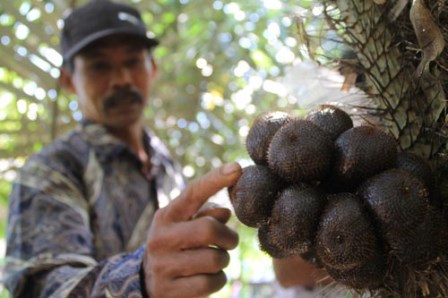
{"x":66,"y":80}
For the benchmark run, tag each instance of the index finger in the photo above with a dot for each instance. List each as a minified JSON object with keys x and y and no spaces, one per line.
{"x":214,"y":210}
{"x":185,"y":206}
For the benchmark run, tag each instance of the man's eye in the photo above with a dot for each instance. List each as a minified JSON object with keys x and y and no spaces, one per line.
{"x":99,"y":66}
{"x":133,"y":62}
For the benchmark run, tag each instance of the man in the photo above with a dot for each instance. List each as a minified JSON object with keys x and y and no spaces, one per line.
{"x":90,"y":215}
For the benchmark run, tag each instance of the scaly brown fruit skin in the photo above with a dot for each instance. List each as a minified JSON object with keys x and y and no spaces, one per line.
{"x":330,"y":119}
{"x":417,"y":166}
{"x":360,"y":153}
{"x":387,"y":54}
{"x":261,"y":132}
{"x":368,"y":277}
{"x":347,"y":244}
{"x":399,"y":203}
{"x":425,"y":243}
{"x":273,"y":249}
{"x":293,"y":223}
{"x":254,"y":195}
{"x":388,"y":51}
{"x":300,"y":152}
{"x":420,"y":168}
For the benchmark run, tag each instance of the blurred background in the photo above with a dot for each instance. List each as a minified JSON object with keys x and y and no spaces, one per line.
{"x":221,"y":63}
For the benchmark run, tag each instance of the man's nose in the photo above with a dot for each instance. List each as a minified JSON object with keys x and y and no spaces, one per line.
{"x":121,"y":77}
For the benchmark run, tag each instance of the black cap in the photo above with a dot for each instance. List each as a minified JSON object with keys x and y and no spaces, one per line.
{"x":98,"y":19}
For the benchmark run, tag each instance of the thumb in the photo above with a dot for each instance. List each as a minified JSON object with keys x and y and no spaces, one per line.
{"x":187,"y":204}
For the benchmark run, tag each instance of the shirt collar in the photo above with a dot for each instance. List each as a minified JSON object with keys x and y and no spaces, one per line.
{"x":106,"y":145}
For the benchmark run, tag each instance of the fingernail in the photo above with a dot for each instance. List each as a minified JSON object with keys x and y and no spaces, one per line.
{"x":230,"y":168}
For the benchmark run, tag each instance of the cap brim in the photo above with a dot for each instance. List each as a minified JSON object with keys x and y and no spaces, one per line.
{"x":150,"y":42}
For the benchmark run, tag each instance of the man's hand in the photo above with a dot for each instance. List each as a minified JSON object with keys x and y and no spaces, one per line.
{"x":187,"y":245}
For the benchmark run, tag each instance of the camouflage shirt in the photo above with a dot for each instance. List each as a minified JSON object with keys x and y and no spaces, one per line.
{"x":79,"y":213}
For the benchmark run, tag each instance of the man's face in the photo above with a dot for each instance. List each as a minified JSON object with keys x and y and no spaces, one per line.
{"x":112,"y":79}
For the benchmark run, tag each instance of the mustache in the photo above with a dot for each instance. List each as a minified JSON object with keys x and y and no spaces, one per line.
{"x":122,"y":96}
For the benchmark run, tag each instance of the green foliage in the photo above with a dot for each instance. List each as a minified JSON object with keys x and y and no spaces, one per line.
{"x":4,"y":294}
{"x":214,"y":59}
{"x":5,"y":188}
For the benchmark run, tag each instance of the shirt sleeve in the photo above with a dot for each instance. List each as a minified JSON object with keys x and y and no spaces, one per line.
{"x":50,"y":250}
